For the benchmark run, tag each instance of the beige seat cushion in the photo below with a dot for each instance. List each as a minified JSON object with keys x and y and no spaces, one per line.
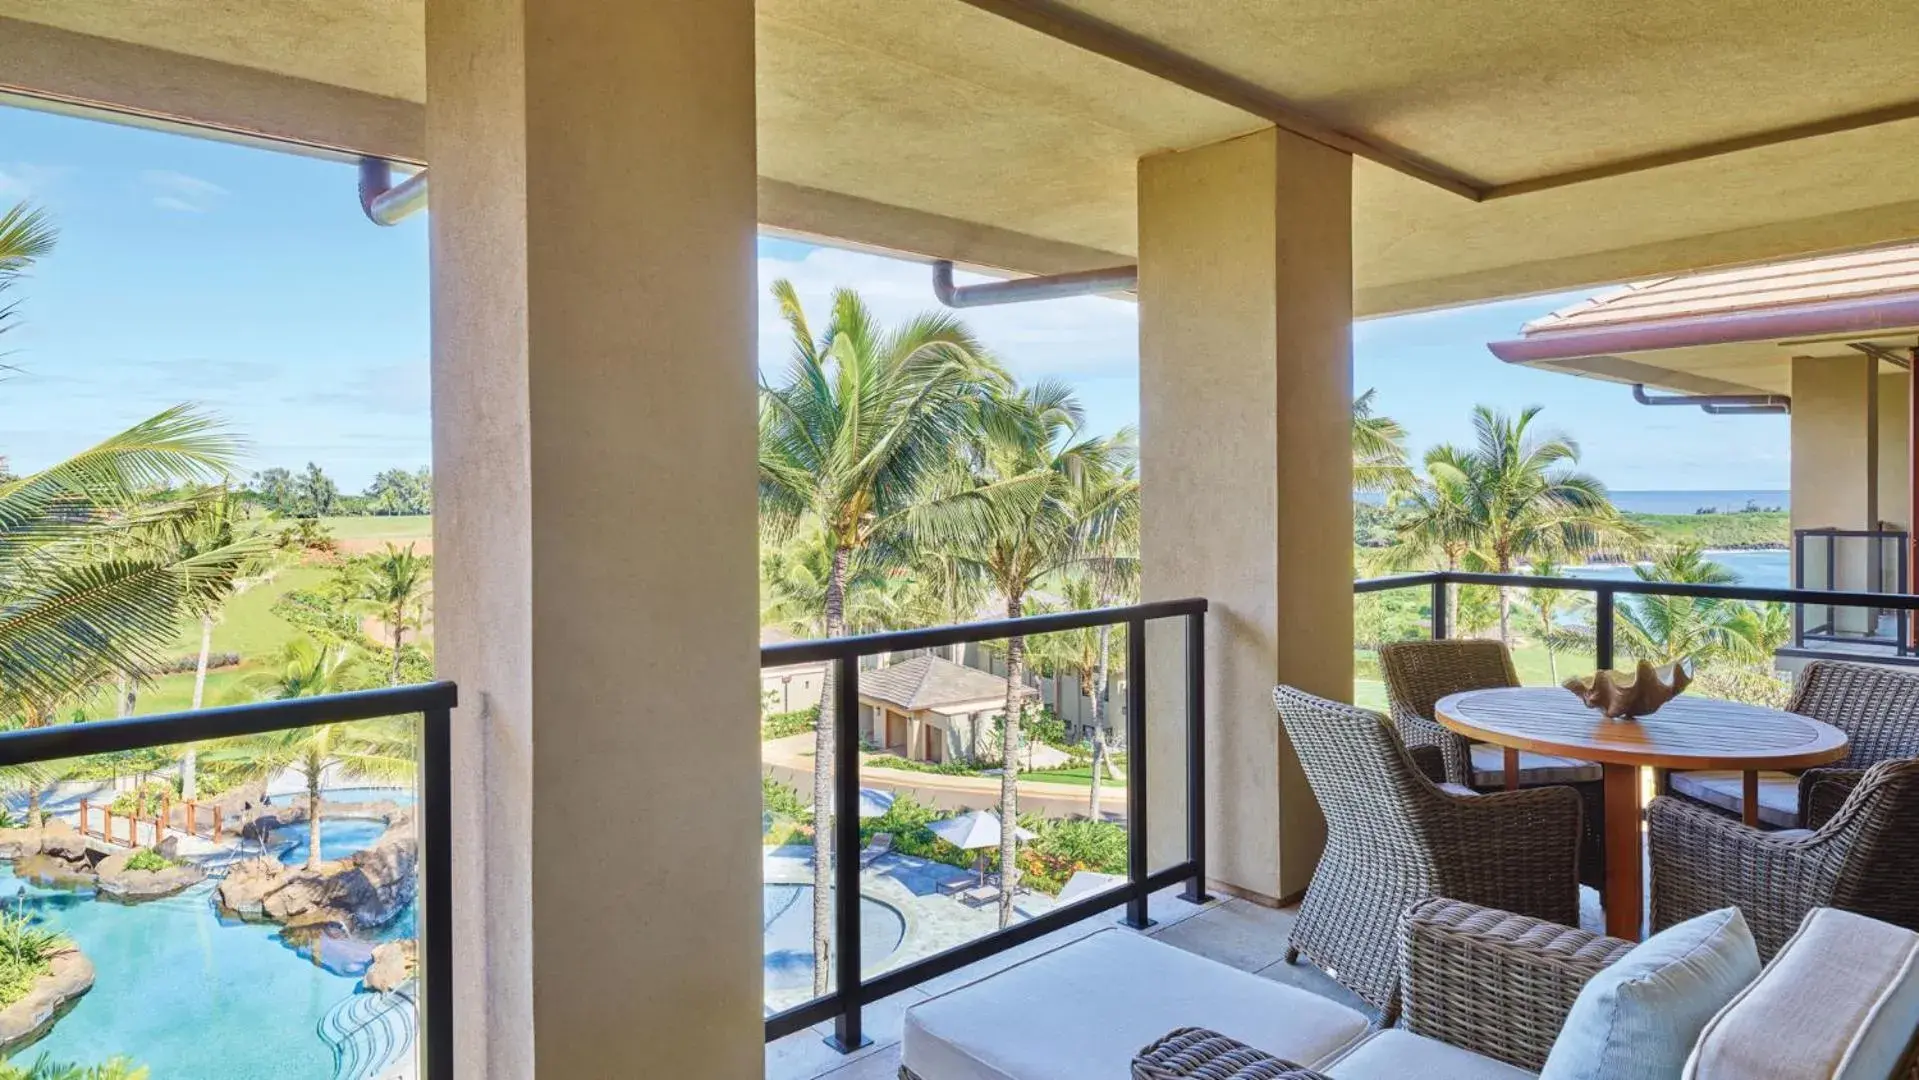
{"x":1083,"y":1010}
{"x":1489,"y":768}
{"x":1778,"y":794}
{"x":1400,"y":1055}
{"x":1839,"y":1002}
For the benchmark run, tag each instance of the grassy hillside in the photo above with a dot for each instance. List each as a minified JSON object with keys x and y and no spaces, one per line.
{"x":1744,"y":530}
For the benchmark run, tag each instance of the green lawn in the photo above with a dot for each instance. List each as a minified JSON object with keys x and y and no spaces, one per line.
{"x":1078,"y":774}
{"x":247,"y":625}
{"x":1530,"y":660}
{"x":397,"y":529}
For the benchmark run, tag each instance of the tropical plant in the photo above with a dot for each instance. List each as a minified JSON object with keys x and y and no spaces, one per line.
{"x":45,"y":1068}
{"x":211,"y":528}
{"x":864,"y":417}
{"x":380,"y":750}
{"x":25,"y":954}
{"x":1552,"y":616}
{"x":1668,"y":629}
{"x":393,"y":586}
{"x":1036,"y":476}
{"x":1379,"y":448}
{"x":1520,"y":498}
{"x":25,"y":235}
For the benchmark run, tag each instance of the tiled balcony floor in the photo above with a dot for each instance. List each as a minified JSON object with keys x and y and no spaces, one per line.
{"x":1244,"y":935}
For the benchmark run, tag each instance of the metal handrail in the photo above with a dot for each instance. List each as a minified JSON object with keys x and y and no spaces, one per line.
{"x":433,"y":701}
{"x":843,"y":1004}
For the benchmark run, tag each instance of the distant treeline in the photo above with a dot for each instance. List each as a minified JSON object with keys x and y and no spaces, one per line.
{"x":312,"y":493}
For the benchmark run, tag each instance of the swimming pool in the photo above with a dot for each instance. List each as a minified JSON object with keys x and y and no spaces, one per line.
{"x":788,"y":915}
{"x":194,"y":996}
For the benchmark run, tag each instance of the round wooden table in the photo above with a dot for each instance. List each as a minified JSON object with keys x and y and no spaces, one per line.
{"x":1686,"y":733}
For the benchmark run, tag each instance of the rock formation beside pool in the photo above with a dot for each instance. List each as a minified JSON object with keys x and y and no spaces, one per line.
{"x":363,"y":892}
{"x":119,"y":881}
{"x":53,"y":855}
{"x":69,"y":974}
{"x":393,"y":965}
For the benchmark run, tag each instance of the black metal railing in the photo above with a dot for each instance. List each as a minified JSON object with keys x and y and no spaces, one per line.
{"x":850,"y":992}
{"x":1826,"y":560}
{"x":1605,"y":592}
{"x":432,"y":701}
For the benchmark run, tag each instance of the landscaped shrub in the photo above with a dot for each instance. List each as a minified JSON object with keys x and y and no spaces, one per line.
{"x":907,"y":821}
{"x":1065,"y":847}
{"x":900,"y":764}
{"x":146,"y":799}
{"x":780,"y":725}
{"x":45,"y":1068}
{"x":148,"y":859}
{"x":784,"y":802}
{"x":25,"y":950}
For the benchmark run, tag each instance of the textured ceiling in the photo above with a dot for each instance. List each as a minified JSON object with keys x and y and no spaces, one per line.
{"x":938,"y":108}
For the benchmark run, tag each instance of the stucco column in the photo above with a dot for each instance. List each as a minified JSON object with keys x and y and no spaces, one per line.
{"x":1245,"y":295}
{"x":593,"y":431}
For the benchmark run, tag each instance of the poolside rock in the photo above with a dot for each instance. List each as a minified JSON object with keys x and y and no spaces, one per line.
{"x":60,"y":840}
{"x":134,"y":886}
{"x":361,"y":893}
{"x":69,"y":975}
{"x":19,"y":843}
{"x":393,"y":964}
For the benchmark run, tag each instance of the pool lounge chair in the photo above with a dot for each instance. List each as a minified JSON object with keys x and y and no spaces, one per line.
{"x":882,"y":844}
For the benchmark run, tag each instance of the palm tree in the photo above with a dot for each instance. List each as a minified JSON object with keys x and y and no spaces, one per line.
{"x":1549,"y":614}
{"x":81,"y":593}
{"x":1669,"y":629}
{"x":25,"y":235}
{"x":1379,"y":448}
{"x":1037,"y":481}
{"x":1433,"y":522}
{"x":209,"y":529}
{"x":864,"y":418}
{"x":379,"y":750}
{"x":1523,"y":500}
{"x":393,"y":586}
{"x":45,"y":1068}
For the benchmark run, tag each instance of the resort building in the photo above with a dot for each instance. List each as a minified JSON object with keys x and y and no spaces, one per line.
{"x":1829,"y":340}
{"x":789,"y":687}
{"x":930,"y":709}
{"x":1254,"y":176}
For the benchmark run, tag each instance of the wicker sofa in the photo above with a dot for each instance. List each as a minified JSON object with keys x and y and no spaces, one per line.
{"x":1486,"y":993}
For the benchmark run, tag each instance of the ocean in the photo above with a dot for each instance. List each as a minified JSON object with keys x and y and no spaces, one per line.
{"x":1766,"y":569}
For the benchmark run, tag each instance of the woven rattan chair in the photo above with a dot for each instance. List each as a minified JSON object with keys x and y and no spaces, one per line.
{"x":1865,"y":859}
{"x":1394,"y":838}
{"x":1877,"y":708}
{"x":1419,"y":673}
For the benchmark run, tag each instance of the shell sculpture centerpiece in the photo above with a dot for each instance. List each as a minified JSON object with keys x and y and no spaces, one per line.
{"x":1621,"y":698}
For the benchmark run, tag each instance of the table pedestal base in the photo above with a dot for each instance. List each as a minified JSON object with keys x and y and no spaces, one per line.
{"x":1625,"y":866}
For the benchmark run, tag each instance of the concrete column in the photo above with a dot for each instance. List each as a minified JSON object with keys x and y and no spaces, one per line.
{"x":1245,"y":293}
{"x":593,"y":429}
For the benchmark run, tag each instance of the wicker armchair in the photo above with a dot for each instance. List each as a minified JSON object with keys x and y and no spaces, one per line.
{"x":1419,"y":673}
{"x":1865,"y":859}
{"x":1395,"y":838}
{"x":1877,"y":708}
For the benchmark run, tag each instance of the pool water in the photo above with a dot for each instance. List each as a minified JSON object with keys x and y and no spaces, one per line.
{"x":788,"y":915}
{"x":194,"y":996}
{"x":339,"y":838}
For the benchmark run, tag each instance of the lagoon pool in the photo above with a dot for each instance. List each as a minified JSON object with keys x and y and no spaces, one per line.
{"x":194,"y":996}
{"x":788,"y":916}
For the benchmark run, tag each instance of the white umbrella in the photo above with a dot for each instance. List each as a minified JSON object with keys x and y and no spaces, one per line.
{"x":977,"y":829}
{"x":1085,"y":883}
{"x":873,"y":802}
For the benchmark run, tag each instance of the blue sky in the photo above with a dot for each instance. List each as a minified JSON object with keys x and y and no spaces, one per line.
{"x":248,"y":281}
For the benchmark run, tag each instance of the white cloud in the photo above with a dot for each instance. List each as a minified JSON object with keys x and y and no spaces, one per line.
{"x":21,"y":180}
{"x":180,"y":192}
{"x":1079,"y":339}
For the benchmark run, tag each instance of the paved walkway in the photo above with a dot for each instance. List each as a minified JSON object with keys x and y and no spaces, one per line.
{"x":790,"y":761}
